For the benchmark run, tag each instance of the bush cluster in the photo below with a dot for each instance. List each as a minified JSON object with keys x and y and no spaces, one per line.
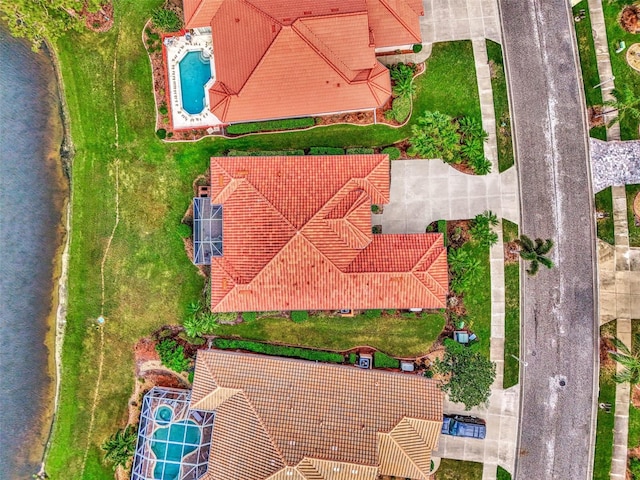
{"x":393,"y":152}
{"x":279,"y":350}
{"x":263,"y":153}
{"x":172,"y":355}
{"x":166,"y":20}
{"x":326,"y":151}
{"x":360,"y":151}
{"x":465,"y":270}
{"x":481,"y":230}
{"x":271,"y":125}
{"x":299,"y":315}
{"x":382,"y":360}
{"x":161,"y":133}
{"x":374,"y":313}
{"x":400,"y":109}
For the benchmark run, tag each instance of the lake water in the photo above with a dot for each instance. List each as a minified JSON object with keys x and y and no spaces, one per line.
{"x":32,"y":192}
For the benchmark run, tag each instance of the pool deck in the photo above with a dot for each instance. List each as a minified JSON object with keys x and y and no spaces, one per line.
{"x":176,"y":48}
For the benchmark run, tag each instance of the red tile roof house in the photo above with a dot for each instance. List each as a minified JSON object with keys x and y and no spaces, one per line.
{"x":294,"y":58}
{"x":294,"y":233}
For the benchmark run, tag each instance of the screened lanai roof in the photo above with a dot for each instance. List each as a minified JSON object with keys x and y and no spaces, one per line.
{"x":207,"y":231}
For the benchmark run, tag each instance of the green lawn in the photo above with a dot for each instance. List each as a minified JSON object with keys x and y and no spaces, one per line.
{"x":512,"y":311}
{"x":634,"y":413}
{"x":634,"y":230}
{"x":478,"y":300}
{"x":400,"y":336}
{"x":458,"y":470}
{"x":501,"y":107}
{"x":624,"y":74}
{"x":587,"y":52}
{"x":604,"y":429}
{"x":149,"y":279}
{"x":604,"y":203}
{"x":503,"y":474}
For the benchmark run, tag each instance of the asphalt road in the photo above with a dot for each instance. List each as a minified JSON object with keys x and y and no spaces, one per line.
{"x":559,"y":330}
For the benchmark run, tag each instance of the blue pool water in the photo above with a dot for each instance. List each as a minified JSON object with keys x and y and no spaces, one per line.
{"x":171,"y":444}
{"x":195,"y":72}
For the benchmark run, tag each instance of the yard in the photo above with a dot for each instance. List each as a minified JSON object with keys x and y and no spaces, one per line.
{"x":634,"y":226}
{"x":604,"y":216}
{"x":604,"y":429}
{"x":512,"y":311}
{"x":458,"y":470}
{"x":625,"y":75}
{"x":148,"y":278}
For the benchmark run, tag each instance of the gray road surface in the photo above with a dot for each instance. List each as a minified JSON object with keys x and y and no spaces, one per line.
{"x":559,"y":305}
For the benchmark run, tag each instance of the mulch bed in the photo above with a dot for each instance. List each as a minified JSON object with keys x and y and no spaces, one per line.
{"x":630,"y":18}
{"x":596,"y":119}
{"x":511,"y":250}
{"x":100,"y":21}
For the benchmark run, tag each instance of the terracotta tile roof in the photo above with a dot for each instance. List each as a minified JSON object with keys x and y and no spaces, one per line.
{"x":281,"y":418}
{"x":297,"y":236}
{"x":278,"y":58}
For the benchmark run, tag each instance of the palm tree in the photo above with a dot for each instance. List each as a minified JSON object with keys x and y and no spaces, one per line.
{"x":535,"y":253}
{"x":626,"y":102}
{"x":629,"y":359}
{"x":404,"y":87}
{"x":120,"y":446}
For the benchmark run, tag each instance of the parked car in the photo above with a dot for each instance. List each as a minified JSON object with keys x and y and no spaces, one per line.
{"x":464,"y":426}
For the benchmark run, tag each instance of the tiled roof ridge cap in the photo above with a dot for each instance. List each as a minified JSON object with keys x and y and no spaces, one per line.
{"x":399,"y":18}
{"x":404,"y":452}
{"x":266,"y":52}
{"x":310,"y":38}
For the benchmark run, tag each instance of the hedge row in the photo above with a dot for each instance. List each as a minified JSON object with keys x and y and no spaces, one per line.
{"x":326,"y":151}
{"x":381,"y":360}
{"x":263,"y":153}
{"x":253,"y":127}
{"x":279,"y":350}
{"x":360,"y":151}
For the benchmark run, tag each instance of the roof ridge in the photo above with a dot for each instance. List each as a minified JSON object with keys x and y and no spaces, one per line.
{"x":316,"y":45}
{"x":399,"y":18}
{"x":404,"y":452}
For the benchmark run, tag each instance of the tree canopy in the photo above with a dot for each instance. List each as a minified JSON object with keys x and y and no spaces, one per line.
{"x":469,"y":374}
{"x":44,"y":19}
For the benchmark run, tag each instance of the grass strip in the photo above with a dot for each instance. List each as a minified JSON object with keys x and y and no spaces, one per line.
{"x":502,"y":474}
{"x":604,"y":205}
{"x":587,"y":51}
{"x":459,"y":470}
{"x":511,"y":324}
{"x":634,"y":229}
{"x":382,"y":360}
{"x":501,"y":107}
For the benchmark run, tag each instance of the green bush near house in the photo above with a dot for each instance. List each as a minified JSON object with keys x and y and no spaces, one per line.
{"x":249,"y":316}
{"x":271,"y":125}
{"x":372,"y":313}
{"x":278,"y":350}
{"x":360,"y":151}
{"x":184,"y":230}
{"x":163,"y":110}
{"x":417,"y":48}
{"x":299,"y":315}
{"x":326,"y":151}
{"x":353,"y":358}
{"x":393,"y":152}
{"x":264,"y":153}
{"x":166,"y":20}
{"x":400,"y":109}
{"x":172,"y":355}
{"x":382,"y":360}
{"x":161,"y":133}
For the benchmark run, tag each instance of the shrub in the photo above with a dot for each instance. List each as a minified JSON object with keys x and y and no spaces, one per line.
{"x":249,"y":316}
{"x":121,"y":446}
{"x":166,"y":20}
{"x":400,"y":109}
{"x":299,"y":315}
{"x":184,"y":230}
{"x":382,"y":360}
{"x":353,"y":358}
{"x":191,"y":375}
{"x":393,"y":152}
{"x":375,"y":209}
{"x":161,"y":133}
{"x":442,"y":228}
{"x":435,"y":135}
{"x":279,"y":350}
{"x":326,"y":151}
{"x":163,"y":110}
{"x":360,"y":151}
{"x":172,"y":355}
{"x":375,"y":313}
{"x":465,"y":270}
{"x":271,"y":125}
{"x":263,"y":153}
{"x":417,"y":48}
{"x":481,"y":230}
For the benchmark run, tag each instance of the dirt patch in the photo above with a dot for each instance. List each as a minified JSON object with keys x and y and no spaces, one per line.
{"x":596,"y":118}
{"x":100,"y":21}
{"x":458,"y":233}
{"x":511,"y":254}
{"x":463,"y":167}
{"x":606,"y":362}
{"x":356,"y":118}
{"x":630,"y":18}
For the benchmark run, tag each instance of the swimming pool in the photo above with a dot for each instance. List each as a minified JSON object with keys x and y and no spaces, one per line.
{"x":171,"y":442}
{"x":195,"y":72}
